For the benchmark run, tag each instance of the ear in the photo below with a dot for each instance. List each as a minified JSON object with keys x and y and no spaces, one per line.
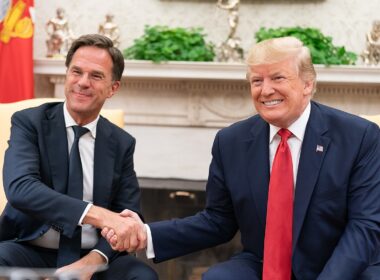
{"x":114,"y":87}
{"x":308,"y":87}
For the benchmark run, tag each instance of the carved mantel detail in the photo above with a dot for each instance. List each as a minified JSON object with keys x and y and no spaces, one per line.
{"x":215,"y":94}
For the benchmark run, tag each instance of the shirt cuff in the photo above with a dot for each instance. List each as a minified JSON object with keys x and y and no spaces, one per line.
{"x":149,"y":246}
{"x":100,"y":253}
{"x":84,"y":214}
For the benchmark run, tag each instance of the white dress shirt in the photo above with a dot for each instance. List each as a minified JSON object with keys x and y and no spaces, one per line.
{"x":86,"y":149}
{"x":297,"y":128}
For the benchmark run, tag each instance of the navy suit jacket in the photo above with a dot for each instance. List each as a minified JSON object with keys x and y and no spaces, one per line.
{"x":336,"y":230}
{"x":36,"y":169}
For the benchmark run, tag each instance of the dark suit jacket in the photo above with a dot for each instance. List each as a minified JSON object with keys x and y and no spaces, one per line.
{"x":36,"y":169}
{"x":336,"y":229}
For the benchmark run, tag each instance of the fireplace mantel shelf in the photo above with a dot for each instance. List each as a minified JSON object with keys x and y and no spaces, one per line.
{"x":216,"y":71}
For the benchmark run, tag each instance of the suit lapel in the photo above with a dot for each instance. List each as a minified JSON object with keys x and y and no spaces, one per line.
{"x":314,"y":148}
{"x":54,"y":132}
{"x":104,"y":158}
{"x":258,"y":167}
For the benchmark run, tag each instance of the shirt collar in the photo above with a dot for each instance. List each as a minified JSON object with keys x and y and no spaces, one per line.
{"x":69,"y":121}
{"x":297,"y":128}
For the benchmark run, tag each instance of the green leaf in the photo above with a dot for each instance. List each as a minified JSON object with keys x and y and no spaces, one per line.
{"x":161,"y":43}
{"x":321,"y":47}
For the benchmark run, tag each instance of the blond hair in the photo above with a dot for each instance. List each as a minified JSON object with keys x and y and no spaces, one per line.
{"x":278,"y":49}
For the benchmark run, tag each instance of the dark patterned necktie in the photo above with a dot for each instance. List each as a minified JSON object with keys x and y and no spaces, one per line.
{"x":69,"y":248}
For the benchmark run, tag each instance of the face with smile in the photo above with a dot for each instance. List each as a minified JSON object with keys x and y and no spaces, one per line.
{"x":279,"y":94}
{"x":89,"y":83}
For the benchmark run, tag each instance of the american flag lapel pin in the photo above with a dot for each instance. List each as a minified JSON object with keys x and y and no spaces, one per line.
{"x":319,"y":149}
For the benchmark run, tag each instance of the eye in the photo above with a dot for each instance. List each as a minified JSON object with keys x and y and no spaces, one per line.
{"x":97,"y":76}
{"x":279,"y":78}
{"x":76,"y":72}
{"x":256,"y":82}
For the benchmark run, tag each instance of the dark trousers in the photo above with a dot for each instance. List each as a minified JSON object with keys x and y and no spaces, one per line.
{"x":124,"y":267}
{"x":244,"y":266}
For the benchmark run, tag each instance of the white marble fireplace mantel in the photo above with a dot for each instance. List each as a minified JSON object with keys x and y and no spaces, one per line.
{"x":215,"y":94}
{"x":174,"y":109}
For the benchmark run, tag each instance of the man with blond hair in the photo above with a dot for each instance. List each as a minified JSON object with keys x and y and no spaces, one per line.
{"x":300,"y":180}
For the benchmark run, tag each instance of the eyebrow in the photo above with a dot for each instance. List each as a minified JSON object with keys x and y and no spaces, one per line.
{"x":277,"y":73}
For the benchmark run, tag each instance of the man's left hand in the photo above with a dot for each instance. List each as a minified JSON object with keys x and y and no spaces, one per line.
{"x":85,"y":267}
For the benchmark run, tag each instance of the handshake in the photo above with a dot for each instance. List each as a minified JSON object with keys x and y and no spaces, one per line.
{"x":123,"y":231}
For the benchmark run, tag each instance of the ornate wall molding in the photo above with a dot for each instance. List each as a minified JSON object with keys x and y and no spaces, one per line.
{"x":215,"y":94}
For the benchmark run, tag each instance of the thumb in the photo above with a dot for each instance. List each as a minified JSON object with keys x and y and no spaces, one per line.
{"x":127,"y":213}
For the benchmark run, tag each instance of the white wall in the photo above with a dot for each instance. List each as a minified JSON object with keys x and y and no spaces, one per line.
{"x":347,"y":21}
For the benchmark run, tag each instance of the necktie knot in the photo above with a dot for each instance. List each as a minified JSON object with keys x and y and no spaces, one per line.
{"x":284,"y":134}
{"x":79,"y":131}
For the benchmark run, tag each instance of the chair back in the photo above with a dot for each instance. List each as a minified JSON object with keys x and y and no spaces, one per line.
{"x":372,"y":118}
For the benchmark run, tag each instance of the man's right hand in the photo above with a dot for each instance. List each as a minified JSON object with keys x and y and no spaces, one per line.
{"x":124,"y":231}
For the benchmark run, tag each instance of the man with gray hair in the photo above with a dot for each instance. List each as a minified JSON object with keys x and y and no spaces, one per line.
{"x":300,"y":180}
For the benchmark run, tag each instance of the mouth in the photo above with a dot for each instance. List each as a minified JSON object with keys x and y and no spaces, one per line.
{"x":272,"y":102}
{"x":82,"y":94}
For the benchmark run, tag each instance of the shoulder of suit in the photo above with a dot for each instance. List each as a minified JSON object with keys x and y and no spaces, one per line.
{"x":337,"y":114}
{"x":244,"y":124}
{"x":242,"y":129}
{"x":339,"y":121}
{"x":36,"y":112}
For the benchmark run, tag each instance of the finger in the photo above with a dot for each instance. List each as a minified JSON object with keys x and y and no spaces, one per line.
{"x":113,"y":246}
{"x":137,"y":237}
{"x":124,"y":245}
{"x":122,"y":242}
{"x":142,"y":245}
{"x":133,"y":243}
{"x":110,"y":234}
{"x":104,"y":232}
{"x":142,"y":235}
{"x":113,"y":240}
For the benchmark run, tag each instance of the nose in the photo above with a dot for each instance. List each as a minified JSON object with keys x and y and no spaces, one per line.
{"x":84,"y":81}
{"x":267,"y":88}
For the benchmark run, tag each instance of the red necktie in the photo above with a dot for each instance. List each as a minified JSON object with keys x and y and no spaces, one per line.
{"x":278,"y":231}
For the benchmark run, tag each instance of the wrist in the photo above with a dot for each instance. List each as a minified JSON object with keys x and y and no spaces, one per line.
{"x":94,"y":259}
{"x":95,"y":217}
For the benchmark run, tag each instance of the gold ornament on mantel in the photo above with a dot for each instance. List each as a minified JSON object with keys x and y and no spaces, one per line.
{"x":110,"y":29}
{"x":230,"y":50}
{"x":371,"y":55}
{"x":60,"y":35}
